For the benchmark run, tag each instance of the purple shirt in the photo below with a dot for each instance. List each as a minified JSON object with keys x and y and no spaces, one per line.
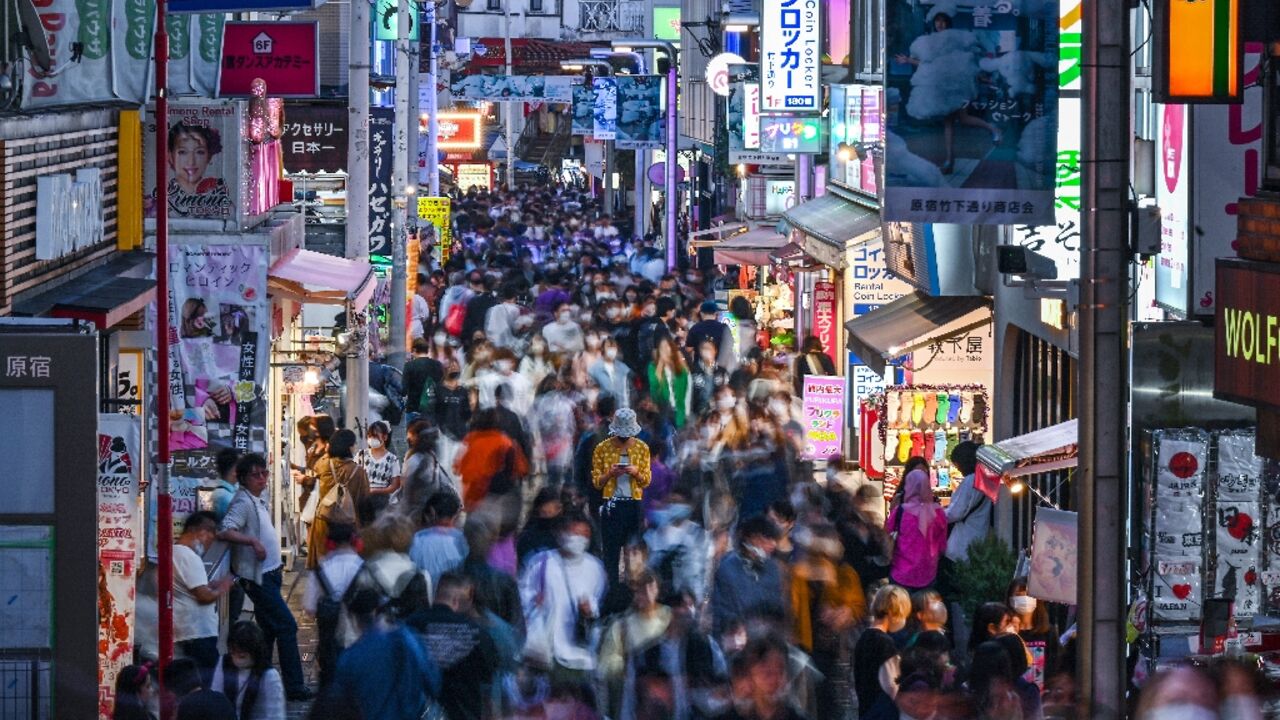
{"x":915,"y":557}
{"x":544,"y":307}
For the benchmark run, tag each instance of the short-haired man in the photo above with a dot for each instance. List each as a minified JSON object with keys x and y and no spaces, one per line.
{"x":255,"y":557}
{"x":195,"y":619}
{"x":465,"y":651}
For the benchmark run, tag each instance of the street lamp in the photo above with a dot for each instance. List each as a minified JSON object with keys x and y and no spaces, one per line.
{"x":577,"y":65}
{"x":672,"y":133}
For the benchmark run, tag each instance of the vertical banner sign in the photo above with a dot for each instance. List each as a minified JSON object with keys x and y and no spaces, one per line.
{"x":583,"y":106}
{"x":1198,"y":57}
{"x":119,"y":459}
{"x":381,"y":120}
{"x":790,"y":56}
{"x":825,"y":320}
{"x":640,"y":117}
{"x":1228,"y":148}
{"x":872,"y":285}
{"x":605,"y":108}
{"x":438,"y":234}
{"x":972,"y":113}
{"x":1173,"y":197}
{"x":823,"y":400}
{"x":1060,"y":242}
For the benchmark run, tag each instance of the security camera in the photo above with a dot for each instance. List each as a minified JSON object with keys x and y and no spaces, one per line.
{"x":1017,"y":260}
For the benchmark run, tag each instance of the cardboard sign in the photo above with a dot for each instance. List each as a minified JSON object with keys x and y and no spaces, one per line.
{"x":282,"y":54}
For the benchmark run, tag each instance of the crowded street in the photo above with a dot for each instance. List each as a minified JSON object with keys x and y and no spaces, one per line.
{"x":640,"y":360}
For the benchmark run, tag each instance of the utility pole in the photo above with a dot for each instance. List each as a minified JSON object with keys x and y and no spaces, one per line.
{"x":164,"y":501}
{"x":1103,"y":359}
{"x":433,"y":109}
{"x":356,"y":393}
{"x":508,"y":109}
{"x":404,"y":167}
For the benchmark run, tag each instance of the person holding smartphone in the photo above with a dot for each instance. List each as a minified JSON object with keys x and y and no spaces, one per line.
{"x":620,"y":470}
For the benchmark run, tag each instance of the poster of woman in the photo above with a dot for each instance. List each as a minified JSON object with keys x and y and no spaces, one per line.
{"x":971,"y":111}
{"x":205,"y":152}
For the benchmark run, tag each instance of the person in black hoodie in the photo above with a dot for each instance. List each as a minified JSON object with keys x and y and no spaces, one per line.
{"x":478,"y":306}
{"x":461,"y":648}
{"x":540,"y":531}
{"x":705,"y":377}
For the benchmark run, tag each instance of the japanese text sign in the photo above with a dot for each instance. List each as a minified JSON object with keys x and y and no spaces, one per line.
{"x":207,"y":171}
{"x":790,"y":56}
{"x":790,"y":134}
{"x":823,"y":416}
{"x":313,"y":138}
{"x":435,"y":225}
{"x":381,"y":122}
{"x":282,"y":54}
{"x":455,"y":130}
{"x":825,"y":321}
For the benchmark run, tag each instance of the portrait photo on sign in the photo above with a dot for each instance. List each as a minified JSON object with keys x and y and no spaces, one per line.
{"x":971,"y":110}
{"x":1054,"y":554}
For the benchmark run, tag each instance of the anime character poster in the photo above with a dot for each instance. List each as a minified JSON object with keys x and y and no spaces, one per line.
{"x":640,"y":117}
{"x":218,"y":344}
{"x":971,"y":111}
{"x":207,"y":170}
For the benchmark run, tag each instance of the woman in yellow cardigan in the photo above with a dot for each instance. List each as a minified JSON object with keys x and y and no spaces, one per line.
{"x":826,"y":604}
{"x":620,"y":470}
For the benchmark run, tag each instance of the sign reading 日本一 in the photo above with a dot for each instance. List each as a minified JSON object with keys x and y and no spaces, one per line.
{"x":823,"y":416}
{"x":790,"y":56}
{"x":971,"y":112}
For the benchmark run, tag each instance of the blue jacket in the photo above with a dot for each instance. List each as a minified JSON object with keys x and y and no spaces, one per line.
{"x":742,"y":590}
{"x":388,"y":674}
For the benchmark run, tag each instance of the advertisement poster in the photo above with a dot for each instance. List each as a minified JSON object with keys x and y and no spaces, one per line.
{"x":825,"y":321}
{"x":102,"y":51}
{"x":471,"y":175}
{"x":584,"y":104}
{"x":790,"y":56}
{"x":281,"y":54}
{"x":515,"y":88}
{"x":605,"y":108}
{"x":434,"y":226}
{"x":1228,"y":142}
{"x":823,"y":416}
{"x":219,"y":296}
{"x":1173,"y":180}
{"x":119,"y":462}
{"x":207,"y":170}
{"x":1060,"y":241}
{"x":381,"y":121}
{"x":640,"y":118}
{"x":1054,"y":551}
{"x":871,"y":285}
{"x":972,"y":112}
{"x":314,"y":138}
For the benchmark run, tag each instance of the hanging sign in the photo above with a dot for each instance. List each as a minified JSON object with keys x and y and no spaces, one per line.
{"x":455,"y":130}
{"x":381,"y":122}
{"x":639,"y":108}
{"x":515,"y":88}
{"x":386,"y":21}
{"x":1055,"y":551}
{"x":1173,"y":197}
{"x":584,"y":101}
{"x":605,"y":108}
{"x":282,"y":54}
{"x":435,"y":225}
{"x":119,"y":461}
{"x":1198,"y":55}
{"x":791,"y":56}
{"x":971,"y":113}
{"x":790,"y":134}
{"x":313,"y":138}
{"x":718,"y":72}
{"x":823,"y":416}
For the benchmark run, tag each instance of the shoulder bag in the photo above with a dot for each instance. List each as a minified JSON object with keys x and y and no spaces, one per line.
{"x":336,"y":507}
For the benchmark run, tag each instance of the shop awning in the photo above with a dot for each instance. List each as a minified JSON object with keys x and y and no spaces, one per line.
{"x":105,"y":295}
{"x":912,"y":322}
{"x":749,"y":248}
{"x":713,"y":235}
{"x":1044,"y":450}
{"x":313,"y":277}
{"x":829,"y":223}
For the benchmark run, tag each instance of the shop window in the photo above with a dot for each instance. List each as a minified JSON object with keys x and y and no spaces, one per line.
{"x":535,"y":7}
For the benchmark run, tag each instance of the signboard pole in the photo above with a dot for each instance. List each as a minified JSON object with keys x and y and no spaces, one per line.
{"x":164,"y":504}
{"x":405,"y":175}
{"x":433,"y":99}
{"x":508,"y":112}
{"x":356,"y":395}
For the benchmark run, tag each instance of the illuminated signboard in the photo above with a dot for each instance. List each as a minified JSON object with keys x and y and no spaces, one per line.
{"x":790,"y":134}
{"x":1199,"y":56}
{"x":456,"y":130}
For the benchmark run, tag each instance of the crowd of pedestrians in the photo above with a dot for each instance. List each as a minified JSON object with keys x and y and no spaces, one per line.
{"x":604,"y":512}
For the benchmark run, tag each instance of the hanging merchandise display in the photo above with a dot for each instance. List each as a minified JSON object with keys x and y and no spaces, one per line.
{"x":928,"y":421}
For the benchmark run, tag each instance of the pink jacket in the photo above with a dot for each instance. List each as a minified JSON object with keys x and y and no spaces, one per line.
{"x":915,"y":557}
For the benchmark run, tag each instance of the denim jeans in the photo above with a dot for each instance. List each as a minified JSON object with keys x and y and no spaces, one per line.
{"x":279,"y":627}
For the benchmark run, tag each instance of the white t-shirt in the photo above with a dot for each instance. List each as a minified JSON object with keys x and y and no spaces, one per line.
{"x":270,"y":538}
{"x":622,"y":488}
{"x":191,"y":620}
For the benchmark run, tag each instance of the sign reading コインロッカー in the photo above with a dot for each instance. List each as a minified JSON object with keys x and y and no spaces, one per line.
{"x":1247,"y":333}
{"x":790,"y":56}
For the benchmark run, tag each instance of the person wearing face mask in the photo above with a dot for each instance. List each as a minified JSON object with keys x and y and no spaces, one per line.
{"x":928,"y":617}
{"x":246,"y":677}
{"x":748,"y":581}
{"x":652,"y":327}
{"x":381,"y":466}
{"x":669,"y":386}
{"x":1040,"y":635}
{"x":554,"y":294}
{"x":195,"y":616}
{"x":875,"y":657}
{"x":611,"y":375}
{"x":537,"y":364}
{"x":500,"y":320}
{"x":620,"y":469}
{"x":991,"y":620}
{"x":679,"y":549}
{"x":706,"y":378}
{"x":561,"y":591}
{"x":629,"y":633}
{"x":580,"y":368}
{"x":564,"y":336}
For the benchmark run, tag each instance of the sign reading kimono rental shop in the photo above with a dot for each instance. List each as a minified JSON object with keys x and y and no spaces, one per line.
{"x":207,"y":180}
{"x":960,"y":150}
{"x":791,"y":56}
{"x":823,"y":409}
{"x":281,"y":54}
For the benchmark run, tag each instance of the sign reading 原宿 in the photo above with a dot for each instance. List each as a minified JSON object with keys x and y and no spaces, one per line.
{"x":790,"y":56}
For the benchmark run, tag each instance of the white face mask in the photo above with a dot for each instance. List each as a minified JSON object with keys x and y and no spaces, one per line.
{"x":612,"y":313}
{"x":242,"y":662}
{"x":506,"y":366}
{"x":726,"y":403}
{"x":756,"y":552}
{"x":566,"y":316}
{"x":374,"y":443}
{"x":1022,"y":604}
{"x":440,"y":338}
{"x":199,"y":548}
{"x":611,"y":353}
{"x":778,"y":408}
{"x":574,"y":544}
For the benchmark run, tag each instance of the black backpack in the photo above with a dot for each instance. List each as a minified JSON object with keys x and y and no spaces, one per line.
{"x":328,"y":607}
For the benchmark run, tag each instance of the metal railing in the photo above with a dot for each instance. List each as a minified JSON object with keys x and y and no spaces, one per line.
{"x":611,"y":16}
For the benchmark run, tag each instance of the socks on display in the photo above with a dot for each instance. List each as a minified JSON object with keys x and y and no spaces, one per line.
{"x":944,"y":407}
{"x":904,"y":446}
{"x":930,"y":407}
{"x":929,"y":449}
{"x":944,"y":477}
{"x":979,"y":408}
{"x":953,"y":409}
{"x":917,"y":408}
{"x":953,"y":439}
{"x":890,"y":444}
{"x":940,"y":446}
{"x":966,"y":406}
{"x":905,"y":417}
{"x":892,"y":409}
{"x":917,"y":444}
